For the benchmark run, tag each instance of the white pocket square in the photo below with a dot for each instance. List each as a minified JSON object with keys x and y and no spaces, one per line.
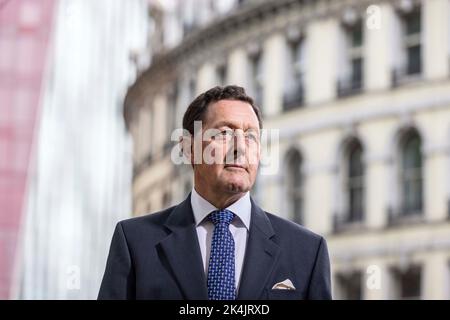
{"x":284,"y":285}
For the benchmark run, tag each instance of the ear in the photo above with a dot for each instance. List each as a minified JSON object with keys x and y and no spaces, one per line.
{"x":187,"y":146}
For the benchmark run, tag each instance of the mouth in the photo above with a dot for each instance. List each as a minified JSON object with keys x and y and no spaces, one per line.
{"x":235,"y":166}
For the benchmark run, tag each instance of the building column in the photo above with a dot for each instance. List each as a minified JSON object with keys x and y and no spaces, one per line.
{"x":376,"y":201}
{"x":435,"y":185}
{"x":435,"y":279}
{"x":435,"y":22}
{"x":379,"y":181}
{"x":377,"y":75}
{"x":319,"y":177}
{"x":274,"y":59}
{"x":321,"y":46}
{"x":159,"y":132}
{"x":435,"y":154}
{"x":317,"y":201}
{"x":206,"y":77}
{"x":237,"y":68}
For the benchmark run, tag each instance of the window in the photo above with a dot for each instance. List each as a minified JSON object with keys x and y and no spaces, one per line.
{"x":294,"y":88}
{"x":349,"y":285}
{"x":412,"y":41}
{"x":351,"y":207}
{"x":221,"y":74}
{"x":171,"y":113}
{"x":414,"y":65}
{"x":355,"y":183}
{"x":351,"y":80}
{"x":411,"y":57}
{"x":144,"y":136}
{"x":411,"y":174}
{"x":256,"y":76}
{"x":407,"y":282}
{"x":294,"y":186}
{"x":192,"y":89}
{"x":190,"y":17}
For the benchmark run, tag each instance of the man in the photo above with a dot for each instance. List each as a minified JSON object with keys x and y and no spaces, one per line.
{"x":217,"y":243}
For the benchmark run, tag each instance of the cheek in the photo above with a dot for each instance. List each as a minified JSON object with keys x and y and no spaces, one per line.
{"x":210,"y":172}
{"x":253,"y":154}
{"x":214,"y":153}
{"x":253,"y":169}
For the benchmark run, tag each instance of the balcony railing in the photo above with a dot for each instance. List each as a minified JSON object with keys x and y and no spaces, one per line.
{"x":406,"y":74}
{"x":347,"y":222}
{"x":403,"y":215}
{"x":349,"y":86}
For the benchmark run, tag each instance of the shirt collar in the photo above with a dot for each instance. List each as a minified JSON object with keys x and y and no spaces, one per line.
{"x":202,"y":207}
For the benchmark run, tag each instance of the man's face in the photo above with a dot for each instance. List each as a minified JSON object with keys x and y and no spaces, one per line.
{"x":233,"y":142}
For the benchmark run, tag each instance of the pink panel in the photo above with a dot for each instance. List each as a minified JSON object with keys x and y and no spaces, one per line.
{"x":25,"y":27}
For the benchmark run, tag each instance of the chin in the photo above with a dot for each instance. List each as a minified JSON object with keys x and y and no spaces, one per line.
{"x":237,"y":186}
{"x":236,"y":182}
{"x":232,"y":188}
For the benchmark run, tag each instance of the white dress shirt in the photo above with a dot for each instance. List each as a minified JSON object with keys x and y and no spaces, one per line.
{"x":239,"y":228}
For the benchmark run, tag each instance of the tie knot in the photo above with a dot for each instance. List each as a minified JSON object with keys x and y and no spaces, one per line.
{"x":221,"y":216}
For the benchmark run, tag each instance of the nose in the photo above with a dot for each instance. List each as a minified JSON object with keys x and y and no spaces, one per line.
{"x":238,"y":145}
{"x":239,"y":139}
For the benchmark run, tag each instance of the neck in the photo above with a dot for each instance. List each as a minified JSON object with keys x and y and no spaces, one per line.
{"x":219,"y":200}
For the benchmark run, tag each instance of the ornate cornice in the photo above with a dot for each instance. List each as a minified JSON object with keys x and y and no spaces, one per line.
{"x":253,"y":22}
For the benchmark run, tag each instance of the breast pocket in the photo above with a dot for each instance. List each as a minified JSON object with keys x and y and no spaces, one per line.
{"x":281,"y":294}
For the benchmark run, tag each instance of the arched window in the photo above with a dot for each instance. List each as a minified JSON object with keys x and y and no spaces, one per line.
{"x":294,"y":184}
{"x":410,"y":173}
{"x":354,"y":182}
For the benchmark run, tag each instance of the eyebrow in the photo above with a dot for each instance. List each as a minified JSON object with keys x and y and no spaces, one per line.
{"x":229,"y":124}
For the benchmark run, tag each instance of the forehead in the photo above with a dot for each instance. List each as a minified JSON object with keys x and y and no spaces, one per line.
{"x":234,"y":113}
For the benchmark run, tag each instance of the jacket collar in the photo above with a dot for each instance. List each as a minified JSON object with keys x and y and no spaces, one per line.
{"x":184,"y":257}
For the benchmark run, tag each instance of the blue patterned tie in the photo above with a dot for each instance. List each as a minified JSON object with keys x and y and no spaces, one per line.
{"x":221,"y":282}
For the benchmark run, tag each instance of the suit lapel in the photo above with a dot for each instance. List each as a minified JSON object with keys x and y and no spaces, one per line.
{"x":260,"y":257}
{"x":183,"y":252}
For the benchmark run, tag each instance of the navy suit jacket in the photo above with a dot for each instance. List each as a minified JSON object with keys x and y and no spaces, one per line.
{"x":158,"y":257}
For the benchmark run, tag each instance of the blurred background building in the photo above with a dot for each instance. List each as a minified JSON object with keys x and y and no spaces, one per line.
{"x":24,"y":37}
{"x":360,"y":92}
{"x":65,"y":168}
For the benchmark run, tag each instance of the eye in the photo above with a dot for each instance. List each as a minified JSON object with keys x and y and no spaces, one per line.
{"x":228,"y":132}
{"x":252,"y":136}
{"x":224,"y":134}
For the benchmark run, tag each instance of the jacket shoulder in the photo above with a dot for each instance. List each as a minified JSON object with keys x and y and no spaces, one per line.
{"x":287,"y":229}
{"x":149,"y":224}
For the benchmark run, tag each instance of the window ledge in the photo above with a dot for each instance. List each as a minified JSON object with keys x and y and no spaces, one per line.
{"x":341,"y":225}
{"x":346,"y":88}
{"x":401,"y":219}
{"x":400,"y":77}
